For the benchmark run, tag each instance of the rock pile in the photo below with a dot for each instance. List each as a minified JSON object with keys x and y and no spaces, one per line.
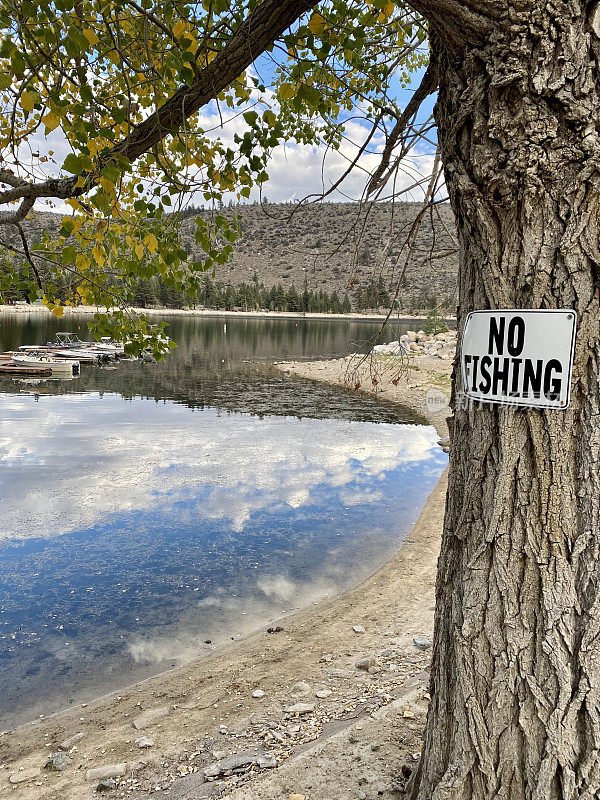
{"x":440,"y":345}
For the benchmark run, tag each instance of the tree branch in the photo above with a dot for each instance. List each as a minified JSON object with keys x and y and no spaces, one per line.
{"x":255,"y":34}
{"x":466,"y":21}
{"x":428,"y":86}
{"x":14,"y":217}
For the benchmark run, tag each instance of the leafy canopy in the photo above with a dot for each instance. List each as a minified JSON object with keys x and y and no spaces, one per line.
{"x":79,"y":78}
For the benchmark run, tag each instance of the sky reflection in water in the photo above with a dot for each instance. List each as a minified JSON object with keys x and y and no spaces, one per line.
{"x":131,"y":531}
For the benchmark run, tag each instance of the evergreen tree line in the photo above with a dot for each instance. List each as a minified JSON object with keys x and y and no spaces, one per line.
{"x":255,"y":296}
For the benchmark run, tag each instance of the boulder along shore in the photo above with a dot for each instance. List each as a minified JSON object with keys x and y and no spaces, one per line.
{"x":328,"y":704}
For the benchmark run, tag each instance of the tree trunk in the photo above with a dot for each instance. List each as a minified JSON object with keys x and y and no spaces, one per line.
{"x":515,"y":710}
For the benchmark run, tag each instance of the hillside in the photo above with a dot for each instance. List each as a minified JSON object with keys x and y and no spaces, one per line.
{"x":335,"y":247}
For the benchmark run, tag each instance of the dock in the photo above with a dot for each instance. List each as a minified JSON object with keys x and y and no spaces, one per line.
{"x":13,"y":369}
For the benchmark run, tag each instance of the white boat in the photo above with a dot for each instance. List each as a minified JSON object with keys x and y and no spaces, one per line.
{"x":105,"y":347}
{"x":45,"y":360}
{"x":83,"y":355}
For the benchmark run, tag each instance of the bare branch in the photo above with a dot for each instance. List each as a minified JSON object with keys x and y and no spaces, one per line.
{"x":428,"y":86}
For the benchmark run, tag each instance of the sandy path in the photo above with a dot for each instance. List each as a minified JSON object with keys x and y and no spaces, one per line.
{"x":352,"y":740}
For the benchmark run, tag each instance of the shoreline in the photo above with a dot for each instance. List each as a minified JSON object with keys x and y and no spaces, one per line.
{"x":208,"y":312}
{"x":318,"y":648}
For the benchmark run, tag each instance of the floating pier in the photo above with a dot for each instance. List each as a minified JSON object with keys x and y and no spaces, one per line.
{"x":7,"y":368}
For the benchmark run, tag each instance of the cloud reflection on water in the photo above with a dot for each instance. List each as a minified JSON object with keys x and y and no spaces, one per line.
{"x":68,"y":462}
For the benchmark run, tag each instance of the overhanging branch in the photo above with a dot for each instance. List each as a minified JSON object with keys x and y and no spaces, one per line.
{"x":256,"y":33}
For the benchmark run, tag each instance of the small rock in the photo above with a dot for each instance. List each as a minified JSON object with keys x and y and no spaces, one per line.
{"x":358,"y":629}
{"x":296,"y":797}
{"x":375,"y":747}
{"x":68,"y":743}
{"x":150,"y":717}
{"x":219,"y":754}
{"x":109,"y":771}
{"x":299,"y":689}
{"x":240,"y":761}
{"x":106,"y":785}
{"x":301,"y":708}
{"x":58,"y":761}
{"x":208,"y":641}
{"x":322,"y":693}
{"x":144,"y":741}
{"x":365,"y":663}
{"x":334,"y":672}
{"x":361,"y":795}
{"x":422,"y":642}
{"x":23,"y":776}
{"x":276,"y":629}
{"x":258,"y":693}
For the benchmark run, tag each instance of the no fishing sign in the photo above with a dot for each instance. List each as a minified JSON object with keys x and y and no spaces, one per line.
{"x":519,"y":357}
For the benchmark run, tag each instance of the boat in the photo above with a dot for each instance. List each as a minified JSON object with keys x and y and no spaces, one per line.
{"x":66,"y":339}
{"x":85,"y":355}
{"x":46,"y":360}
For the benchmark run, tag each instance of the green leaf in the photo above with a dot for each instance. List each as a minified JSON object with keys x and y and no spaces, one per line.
{"x":250,"y":117}
{"x":73,"y":164}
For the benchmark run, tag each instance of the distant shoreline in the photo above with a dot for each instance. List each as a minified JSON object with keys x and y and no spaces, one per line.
{"x":208,"y":312}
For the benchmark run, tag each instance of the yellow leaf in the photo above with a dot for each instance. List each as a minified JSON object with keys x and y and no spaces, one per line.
{"x":139,"y":251}
{"x":107,"y":185}
{"x":27,"y":101}
{"x":178,"y":28}
{"x":270,"y":118}
{"x":58,"y":311}
{"x":98,"y":256}
{"x":316,"y":24}
{"x":286,"y":90}
{"x":90,"y":35}
{"x":51,"y":121}
{"x":151,"y":242}
{"x":388,"y":9}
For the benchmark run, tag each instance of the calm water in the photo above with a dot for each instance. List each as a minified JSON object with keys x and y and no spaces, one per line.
{"x":148,"y":508}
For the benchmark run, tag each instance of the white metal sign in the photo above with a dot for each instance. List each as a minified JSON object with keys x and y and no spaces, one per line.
{"x":519,"y":357}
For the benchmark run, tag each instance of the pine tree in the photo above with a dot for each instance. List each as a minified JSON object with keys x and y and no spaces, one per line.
{"x":293,"y":300}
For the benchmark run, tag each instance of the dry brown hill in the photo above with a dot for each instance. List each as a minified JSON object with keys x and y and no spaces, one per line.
{"x":336,"y":246}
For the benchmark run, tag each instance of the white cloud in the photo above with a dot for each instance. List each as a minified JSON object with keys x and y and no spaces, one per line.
{"x":70,"y":462}
{"x":295,"y":170}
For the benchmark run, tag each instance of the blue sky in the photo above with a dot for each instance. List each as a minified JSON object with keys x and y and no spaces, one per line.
{"x":299,"y":170}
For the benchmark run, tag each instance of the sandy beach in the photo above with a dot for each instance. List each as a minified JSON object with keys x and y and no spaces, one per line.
{"x":330,"y":707}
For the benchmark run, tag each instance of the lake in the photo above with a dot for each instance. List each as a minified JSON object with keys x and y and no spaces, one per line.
{"x":153,"y":512}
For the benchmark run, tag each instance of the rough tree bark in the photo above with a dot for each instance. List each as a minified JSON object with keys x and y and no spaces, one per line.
{"x":515,"y":711}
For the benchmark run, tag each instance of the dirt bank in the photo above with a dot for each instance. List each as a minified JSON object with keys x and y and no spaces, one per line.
{"x":331,"y":708}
